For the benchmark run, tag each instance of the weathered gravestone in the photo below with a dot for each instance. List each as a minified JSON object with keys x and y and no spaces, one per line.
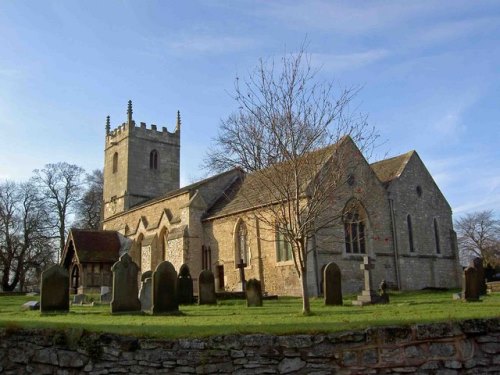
{"x":146,"y":294}
{"x":146,"y":275}
{"x":471,"y":289}
{"x":125,"y":291}
{"x":332,"y":284}
{"x":54,"y":289}
{"x":165,"y":289}
{"x":31,"y":305}
{"x":477,"y":263}
{"x":106,"y":294}
{"x":254,"y":293}
{"x":382,"y":292}
{"x":79,"y":299}
{"x":185,"y":285}
{"x":206,"y":288}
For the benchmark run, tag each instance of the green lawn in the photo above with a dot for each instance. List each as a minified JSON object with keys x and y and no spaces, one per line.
{"x":281,"y":316}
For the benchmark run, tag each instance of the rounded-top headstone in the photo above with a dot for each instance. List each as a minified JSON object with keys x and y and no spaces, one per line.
{"x":165,"y":289}
{"x":54,"y":290}
{"x":332,"y":284}
{"x":206,"y":288}
{"x":146,"y":275}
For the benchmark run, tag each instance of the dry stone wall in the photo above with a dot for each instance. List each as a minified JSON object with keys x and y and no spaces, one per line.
{"x":467,"y":347}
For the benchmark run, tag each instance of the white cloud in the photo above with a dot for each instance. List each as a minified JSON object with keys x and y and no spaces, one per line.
{"x":340,"y":62}
{"x":210,"y":44}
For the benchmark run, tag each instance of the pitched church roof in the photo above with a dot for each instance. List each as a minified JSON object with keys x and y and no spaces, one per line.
{"x":391,"y":168}
{"x":244,"y":194}
{"x":96,"y":246}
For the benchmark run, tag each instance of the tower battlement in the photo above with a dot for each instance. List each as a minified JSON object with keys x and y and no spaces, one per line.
{"x":137,"y":153}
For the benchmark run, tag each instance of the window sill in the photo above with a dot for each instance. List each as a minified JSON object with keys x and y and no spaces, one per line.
{"x":284,"y":263}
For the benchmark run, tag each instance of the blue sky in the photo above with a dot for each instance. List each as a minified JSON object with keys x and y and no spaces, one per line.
{"x":430,"y":72}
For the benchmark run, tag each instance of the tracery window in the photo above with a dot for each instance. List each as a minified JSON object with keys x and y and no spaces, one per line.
{"x":354,"y":230}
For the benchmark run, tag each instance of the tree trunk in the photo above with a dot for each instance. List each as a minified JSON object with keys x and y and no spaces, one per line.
{"x":306,"y":306}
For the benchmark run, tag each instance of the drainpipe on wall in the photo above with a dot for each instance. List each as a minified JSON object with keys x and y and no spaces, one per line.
{"x":395,"y":242}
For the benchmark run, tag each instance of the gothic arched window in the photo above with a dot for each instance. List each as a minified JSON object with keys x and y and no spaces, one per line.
{"x":354,"y":230}
{"x":241,"y":243}
{"x":436,"y":236}
{"x":153,"y":159}
{"x":115,"y":162}
{"x":410,"y":234}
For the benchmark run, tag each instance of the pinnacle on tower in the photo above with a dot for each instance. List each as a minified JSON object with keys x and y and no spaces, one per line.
{"x":108,"y":125}
{"x":129,"y":112}
{"x":178,"y":125}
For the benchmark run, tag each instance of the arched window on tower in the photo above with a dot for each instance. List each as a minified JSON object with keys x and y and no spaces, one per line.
{"x":354,"y":229}
{"x":115,"y":162}
{"x":410,"y":234}
{"x":153,"y":159}
{"x":241,"y":243}
{"x":436,"y":236}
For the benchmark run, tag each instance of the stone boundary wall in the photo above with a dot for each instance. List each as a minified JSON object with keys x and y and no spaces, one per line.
{"x":466,"y":347}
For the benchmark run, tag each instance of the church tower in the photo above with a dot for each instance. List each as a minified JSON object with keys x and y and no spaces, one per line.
{"x":139,"y":163}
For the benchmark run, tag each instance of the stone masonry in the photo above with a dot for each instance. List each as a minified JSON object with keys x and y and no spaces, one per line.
{"x":467,"y":347}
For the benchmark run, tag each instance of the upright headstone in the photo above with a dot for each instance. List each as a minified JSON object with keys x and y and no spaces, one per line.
{"x":254,"y":293}
{"x":164,"y":289}
{"x":477,"y":263}
{"x":146,"y":294}
{"x":106,"y":294}
{"x":125,"y":291}
{"x":471,"y":290}
{"x":185,"y":286}
{"x":206,"y":288}
{"x":368,"y":295}
{"x":382,"y":292}
{"x":332,"y":284}
{"x":79,"y":299}
{"x":146,"y":275}
{"x":54,"y":289}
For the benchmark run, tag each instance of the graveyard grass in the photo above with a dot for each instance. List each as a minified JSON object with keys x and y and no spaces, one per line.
{"x":280,"y":316}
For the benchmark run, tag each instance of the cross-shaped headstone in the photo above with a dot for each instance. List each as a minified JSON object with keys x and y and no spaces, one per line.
{"x":367,"y":266}
{"x":241,"y":265}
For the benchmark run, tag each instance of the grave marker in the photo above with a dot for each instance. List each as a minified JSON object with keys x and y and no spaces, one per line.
{"x":254,"y":293}
{"x":125,"y":291}
{"x":185,"y":285}
{"x":206,"y":288}
{"x":164,"y":289}
{"x":332,"y":285}
{"x":54,"y":289}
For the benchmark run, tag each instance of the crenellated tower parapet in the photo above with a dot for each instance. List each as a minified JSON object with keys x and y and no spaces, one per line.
{"x":140,"y":163}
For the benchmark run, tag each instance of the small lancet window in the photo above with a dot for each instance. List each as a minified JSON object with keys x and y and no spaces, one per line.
{"x":241,"y":243}
{"x":153,"y":159}
{"x":115,"y":162}
{"x":436,"y":236}
{"x":410,"y":234}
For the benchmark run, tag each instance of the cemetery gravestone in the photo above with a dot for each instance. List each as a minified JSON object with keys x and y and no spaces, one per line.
{"x":165,"y":289}
{"x":382,"y":292}
{"x":368,"y":296}
{"x":206,"y":288}
{"x":125,"y":291}
{"x":332,"y":284}
{"x":146,"y":294}
{"x":254,"y":293}
{"x":106,"y":294}
{"x":78,"y":299}
{"x":146,"y":275}
{"x":185,"y":285}
{"x":31,"y":305}
{"x":471,"y":290}
{"x":477,"y":263}
{"x":54,"y":293}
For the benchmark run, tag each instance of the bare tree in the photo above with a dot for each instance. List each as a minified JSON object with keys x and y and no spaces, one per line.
{"x":61,"y":185}
{"x":479,"y":235}
{"x":24,"y":244}
{"x":89,"y":209}
{"x":291,"y":133}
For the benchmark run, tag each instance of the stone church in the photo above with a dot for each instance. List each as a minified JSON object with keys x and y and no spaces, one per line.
{"x":404,"y":221}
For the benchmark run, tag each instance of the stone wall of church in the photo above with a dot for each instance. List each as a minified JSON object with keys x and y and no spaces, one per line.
{"x":366,"y":189}
{"x":276,"y":277}
{"x":416,"y":194}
